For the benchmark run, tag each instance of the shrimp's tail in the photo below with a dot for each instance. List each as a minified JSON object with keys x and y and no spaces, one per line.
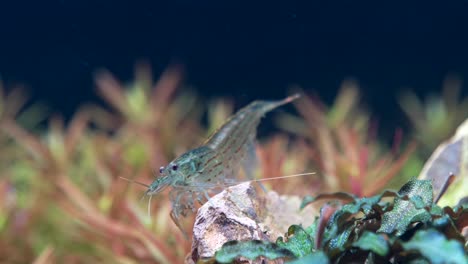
{"x":290,"y":98}
{"x":274,"y":104}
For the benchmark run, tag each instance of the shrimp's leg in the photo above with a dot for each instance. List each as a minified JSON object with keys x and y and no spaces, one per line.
{"x":175,"y":219}
{"x":182,"y":200}
{"x":178,"y":199}
{"x":206,"y":195}
{"x":202,"y":197}
{"x":178,"y":202}
{"x":199,"y":199}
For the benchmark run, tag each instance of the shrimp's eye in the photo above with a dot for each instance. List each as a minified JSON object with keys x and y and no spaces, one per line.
{"x":161,"y":169}
{"x":175,"y":167}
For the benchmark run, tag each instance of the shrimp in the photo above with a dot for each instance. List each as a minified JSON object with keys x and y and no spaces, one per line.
{"x":216,"y":163}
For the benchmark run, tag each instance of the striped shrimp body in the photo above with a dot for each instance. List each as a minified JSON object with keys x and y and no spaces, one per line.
{"x":216,"y":163}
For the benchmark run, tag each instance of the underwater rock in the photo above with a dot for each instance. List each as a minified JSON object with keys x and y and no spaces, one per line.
{"x":242,"y":213}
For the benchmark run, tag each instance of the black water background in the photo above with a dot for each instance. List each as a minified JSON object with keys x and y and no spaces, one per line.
{"x":242,"y":49}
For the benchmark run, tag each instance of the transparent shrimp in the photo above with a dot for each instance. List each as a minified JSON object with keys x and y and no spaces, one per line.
{"x":216,"y":163}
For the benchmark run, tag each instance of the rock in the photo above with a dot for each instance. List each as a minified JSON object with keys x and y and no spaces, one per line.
{"x":240,"y":213}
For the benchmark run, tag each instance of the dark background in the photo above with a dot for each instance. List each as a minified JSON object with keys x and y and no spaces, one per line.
{"x":245,"y":49}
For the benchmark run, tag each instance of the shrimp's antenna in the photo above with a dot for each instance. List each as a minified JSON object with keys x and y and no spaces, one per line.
{"x":133,"y":181}
{"x":149,"y":206}
{"x":282,"y":177}
{"x":258,"y":180}
{"x":142,"y":197}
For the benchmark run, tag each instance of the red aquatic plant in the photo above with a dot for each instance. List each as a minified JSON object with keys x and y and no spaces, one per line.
{"x":342,"y":146}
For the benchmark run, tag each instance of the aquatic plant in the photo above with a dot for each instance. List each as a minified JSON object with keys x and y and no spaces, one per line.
{"x":435,"y":117}
{"x":63,"y":193}
{"x":410,"y":227}
{"x":61,"y":196}
{"x":342,"y":144}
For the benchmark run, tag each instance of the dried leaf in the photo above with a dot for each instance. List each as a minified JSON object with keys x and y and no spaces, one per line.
{"x":449,"y":158}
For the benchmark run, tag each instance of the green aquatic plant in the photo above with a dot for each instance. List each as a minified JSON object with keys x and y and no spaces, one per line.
{"x":409,"y":227}
{"x":391,"y":227}
{"x":435,"y":117}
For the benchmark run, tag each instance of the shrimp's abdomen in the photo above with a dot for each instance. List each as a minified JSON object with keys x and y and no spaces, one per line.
{"x":236,"y":138}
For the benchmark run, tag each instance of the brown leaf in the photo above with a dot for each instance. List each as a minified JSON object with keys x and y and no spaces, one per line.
{"x":450,"y":158}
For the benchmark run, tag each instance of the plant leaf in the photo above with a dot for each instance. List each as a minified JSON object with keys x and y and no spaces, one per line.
{"x":372,"y":242}
{"x":328,"y":196}
{"x":340,"y":241}
{"x":436,"y":248}
{"x":299,"y":241}
{"x":317,"y":258}
{"x":409,"y":211}
{"x":356,"y":204}
{"x":250,"y":250}
{"x":449,"y":158}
